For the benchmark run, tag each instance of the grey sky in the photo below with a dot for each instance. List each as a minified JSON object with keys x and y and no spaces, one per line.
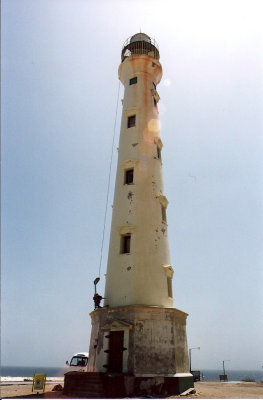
{"x":59,"y":91}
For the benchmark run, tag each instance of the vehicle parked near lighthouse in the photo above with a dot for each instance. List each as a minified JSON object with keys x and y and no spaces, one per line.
{"x":78,"y":362}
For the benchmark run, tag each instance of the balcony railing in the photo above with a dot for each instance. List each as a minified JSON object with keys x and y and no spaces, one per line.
{"x":146,"y":46}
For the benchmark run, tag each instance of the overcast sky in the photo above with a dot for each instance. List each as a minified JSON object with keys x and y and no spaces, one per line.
{"x":59,"y":92}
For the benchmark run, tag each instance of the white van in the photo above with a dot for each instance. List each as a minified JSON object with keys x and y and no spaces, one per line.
{"x":78,"y":362}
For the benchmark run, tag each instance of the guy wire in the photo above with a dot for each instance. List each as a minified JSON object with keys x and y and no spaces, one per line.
{"x":108,"y":188}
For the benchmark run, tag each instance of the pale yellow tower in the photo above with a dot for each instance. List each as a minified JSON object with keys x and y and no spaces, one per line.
{"x":138,"y":341}
{"x":139,"y":270}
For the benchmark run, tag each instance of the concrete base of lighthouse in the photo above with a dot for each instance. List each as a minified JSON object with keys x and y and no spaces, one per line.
{"x":141,"y":350}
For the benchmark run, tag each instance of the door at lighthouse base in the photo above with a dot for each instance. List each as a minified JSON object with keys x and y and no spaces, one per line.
{"x":116,"y":351}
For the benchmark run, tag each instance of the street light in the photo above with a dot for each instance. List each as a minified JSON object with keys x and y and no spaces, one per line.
{"x":96,"y":281}
{"x":224,"y":371}
{"x":190,"y":361}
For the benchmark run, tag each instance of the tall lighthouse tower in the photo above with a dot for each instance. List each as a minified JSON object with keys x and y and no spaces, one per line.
{"x":138,"y":339}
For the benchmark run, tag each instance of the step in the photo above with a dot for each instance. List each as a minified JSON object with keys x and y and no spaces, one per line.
{"x":91,"y":395}
{"x":90,"y":382}
{"x":87,"y":386}
{"x":91,"y":388}
{"x":92,"y":378}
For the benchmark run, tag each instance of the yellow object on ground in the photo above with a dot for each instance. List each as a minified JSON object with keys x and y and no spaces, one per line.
{"x":39,"y":382}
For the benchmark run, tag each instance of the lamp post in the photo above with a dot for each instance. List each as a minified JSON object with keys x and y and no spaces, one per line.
{"x":224,"y":371}
{"x":190,"y":360}
{"x":96,"y":281}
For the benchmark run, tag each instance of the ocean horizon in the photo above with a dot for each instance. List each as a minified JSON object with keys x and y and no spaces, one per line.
{"x":19,"y":374}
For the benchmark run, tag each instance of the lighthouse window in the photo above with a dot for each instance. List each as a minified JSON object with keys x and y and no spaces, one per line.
{"x":163,"y":213}
{"x":154,"y":102}
{"x":131,"y":121}
{"x":128,"y":177}
{"x":125,"y":244}
{"x":159,"y":155}
{"x":154,"y":86}
{"x":169,"y":287}
{"x":133,"y":80}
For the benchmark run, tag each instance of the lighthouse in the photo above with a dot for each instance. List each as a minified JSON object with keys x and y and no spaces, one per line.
{"x":138,"y":339}
{"x":139,"y":270}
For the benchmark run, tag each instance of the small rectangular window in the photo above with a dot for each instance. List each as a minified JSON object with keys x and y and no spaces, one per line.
{"x":169,"y":287}
{"x":163,"y":214}
{"x":131,"y":121}
{"x":133,"y":80}
{"x":154,"y":86}
{"x":154,"y":102}
{"x":128,"y":179}
{"x":125,"y":244}
{"x":159,"y":153}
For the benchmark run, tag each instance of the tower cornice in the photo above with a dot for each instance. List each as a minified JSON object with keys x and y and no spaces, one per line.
{"x":131,"y":110}
{"x":124,"y":229}
{"x":129,"y":163}
{"x":163,"y":200}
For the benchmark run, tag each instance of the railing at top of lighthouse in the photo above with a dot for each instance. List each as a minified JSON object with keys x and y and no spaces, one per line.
{"x":140,"y":44}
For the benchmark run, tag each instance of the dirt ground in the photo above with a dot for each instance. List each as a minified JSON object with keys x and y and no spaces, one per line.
{"x":204,"y":390}
{"x":25,"y":391}
{"x":226,"y":390}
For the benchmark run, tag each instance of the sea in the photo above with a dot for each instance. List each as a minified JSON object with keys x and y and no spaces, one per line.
{"x":232,"y":375}
{"x":11,"y":375}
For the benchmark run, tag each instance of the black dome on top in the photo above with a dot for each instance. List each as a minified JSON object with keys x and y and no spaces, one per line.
{"x":140,"y":37}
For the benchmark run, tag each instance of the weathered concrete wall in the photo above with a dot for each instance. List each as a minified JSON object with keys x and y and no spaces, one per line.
{"x":155,"y":339}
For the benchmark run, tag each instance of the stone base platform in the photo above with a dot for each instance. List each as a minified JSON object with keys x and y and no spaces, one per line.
{"x":90,"y":385}
{"x":138,"y":340}
{"x":139,"y":350}
{"x":99,"y":385}
{"x":159,"y":386}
